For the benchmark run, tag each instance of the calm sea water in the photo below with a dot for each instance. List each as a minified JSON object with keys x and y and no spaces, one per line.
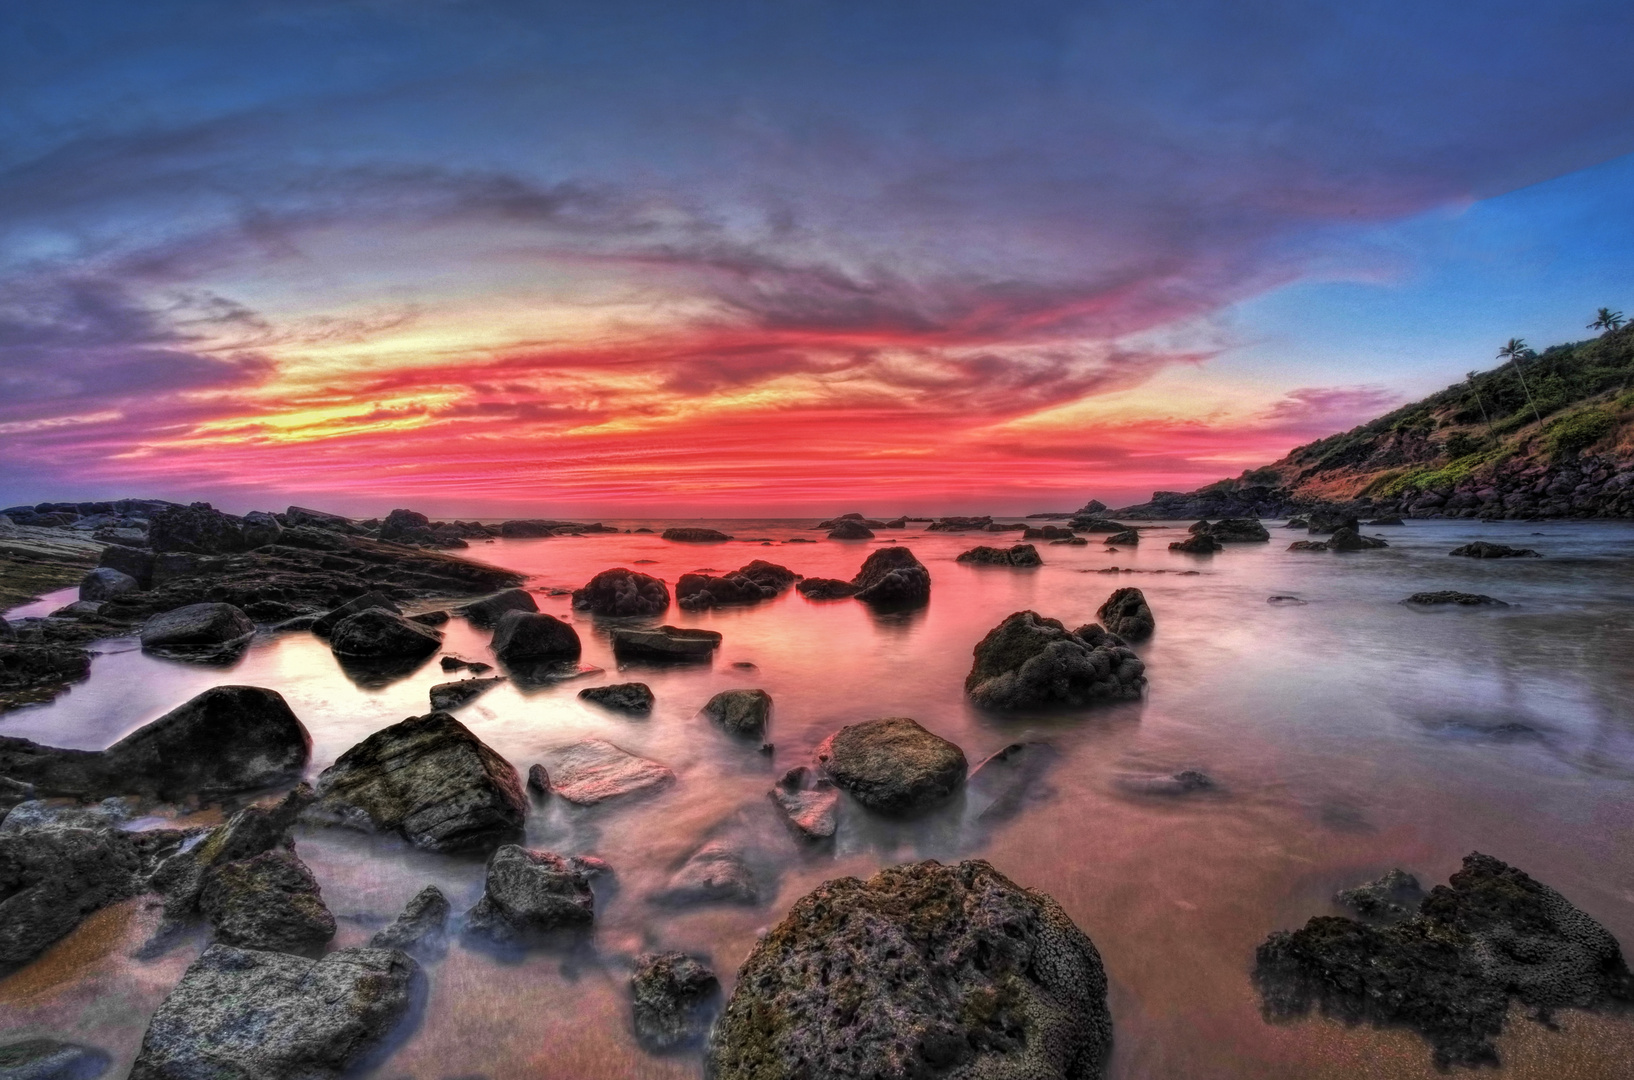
{"x":1347,"y":735}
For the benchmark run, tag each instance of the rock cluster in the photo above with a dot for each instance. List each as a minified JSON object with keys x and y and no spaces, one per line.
{"x":1482,"y":549}
{"x":1197,"y":544}
{"x":1241,"y":530}
{"x":620,"y":592}
{"x":757,"y":581}
{"x":1029,"y":661}
{"x":1019,"y":555}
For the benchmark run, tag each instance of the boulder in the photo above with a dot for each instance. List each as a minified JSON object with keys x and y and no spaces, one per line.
{"x":260,"y":529}
{"x":696,"y":592}
{"x":488,"y":611}
{"x":531,"y":892}
{"x":105,"y":583}
{"x":1197,"y":544}
{"x":32,"y":813}
{"x":524,"y":636}
{"x":1482,"y":549}
{"x":246,"y":1014}
{"x":892,"y":577}
{"x":378,"y":634}
{"x":1096,"y":524}
{"x":620,"y":592}
{"x":197,"y":528}
{"x":1127,"y":615}
{"x":1327,"y":521}
{"x":632,"y":697}
{"x":325,"y":624}
{"x":318,"y":519}
{"x":809,"y":801}
{"x":538,"y":780}
{"x":1350,"y":540}
{"x":270,"y":901}
{"x":769,"y":575}
{"x":924,"y":970}
{"x":665,"y":644}
{"x":741,"y":712}
{"x":205,"y":633}
{"x":1048,"y":532}
{"x":38,"y":672}
{"x":714,"y":874}
{"x":592,"y":771}
{"x":1448,"y":596}
{"x":672,"y":994}
{"x":421,"y":927}
{"x":401,"y":523}
{"x":1019,"y":555}
{"x":892,"y":765}
{"x":429,"y":779}
{"x":821,"y":588}
{"x":50,"y":879}
{"x":1233,"y":530}
{"x":1029,"y":662}
{"x":1127,"y":538}
{"x":1308,"y":545}
{"x":695,"y":536}
{"x":1452,"y":971}
{"x":851,"y":530}
{"x":448,"y":696}
{"x":51,"y":1059}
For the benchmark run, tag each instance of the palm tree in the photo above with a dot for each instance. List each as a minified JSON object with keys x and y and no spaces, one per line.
{"x":1514,"y":350}
{"x":1607,"y":319}
{"x":1485,"y":419}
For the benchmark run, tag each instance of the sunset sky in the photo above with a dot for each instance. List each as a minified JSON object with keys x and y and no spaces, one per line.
{"x":775,"y":257}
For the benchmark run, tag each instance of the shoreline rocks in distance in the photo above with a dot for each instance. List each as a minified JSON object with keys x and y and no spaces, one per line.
{"x":694,"y":536}
{"x":1482,"y":549}
{"x":1448,"y":596}
{"x":1020,"y":555}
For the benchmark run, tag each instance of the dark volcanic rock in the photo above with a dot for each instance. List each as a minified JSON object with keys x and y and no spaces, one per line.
{"x":1450,"y":971}
{"x":809,"y":800}
{"x":452,"y":695}
{"x":1481,"y":549}
{"x":324,"y":624}
{"x":1233,"y":530}
{"x":672,"y":995}
{"x":631,"y":697}
{"x":205,"y":633}
{"x":523,"y":636}
{"x":489,"y":610}
{"x":742,"y":712}
{"x":270,"y":901}
{"x":698,"y":591}
{"x":695,"y":536}
{"x":1127,"y":615}
{"x":421,"y":926}
{"x":821,"y":588}
{"x":1019,"y":555}
{"x":429,"y":779}
{"x":245,"y":1014}
{"x":592,"y":771}
{"x":380,"y":634}
{"x":923,"y":971}
{"x":50,"y":879}
{"x":1028,"y":661}
{"x":197,"y":528}
{"x":1451,"y":597}
{"x":1392,"y":898}
{"x":665,"y":644}
{"x":1197,"y":544}
{"x":892,"y":765}
{"x":105,"y":583}
{"x":892,"y":577}
{"x":531,"y":892}
{"x":620,"y":592}
{"x":851,"y":530}
{"x":50,"y":1059}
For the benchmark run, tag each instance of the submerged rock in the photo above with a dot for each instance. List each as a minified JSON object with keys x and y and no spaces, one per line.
{"x":1002,"y":784}
{"x":1464,"y":599}
{"x":809,"y":801}
{"x":376,"y":634}
{"x":487,"y":611}
{"x":420,"y":928}
{"x":716,"y":873}
{"x":1392,"y":898}
{"x":524,"y":636}
{"x":448,"y":696}
{"x":51,"y":1059}
{"x":924,"y":970}
{"x":665,"y":644}
{"x":270,"y":901}
{"x":429,"y":779}
{"x":1127,"y":615}
{"x":741,"y":712}
{"x":621,"y":592}
{"x":1184,"y":782}
{"x":201,"y":632}
{"x":592,"y":771}
{"x":892,"y":765}
{"x":1029,"y":661}
{"x":892,"y":577}
{"x":1450,"y":971}
{"x":672,"y":994}
{"x":245,"y":1014}
{"x":1481,"y":549}
{"x":531,"y":892}
{"x":634,"y":698}
{"x":1019,"y":555}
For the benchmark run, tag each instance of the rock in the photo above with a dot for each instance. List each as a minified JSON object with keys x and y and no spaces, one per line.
{"x":769,"y":575}
{"x":1387,"y":519}
{"x":377,"y":634}
{"x":1232,"y":530}
{"x":1092,"y":508}
{"x":1392,"y":898}
{"x":429,"y":779}
{"x":1127,"y":538}
{"x":695,"y":536}
{"x":523,"y":636}
{"x":270,"y":901}
{"x":431,"y":618}
{"x":1491,"y":937}
{"x":260,"y":529}
{"x":325,"y":624}
{"x":1481,"y":549}
{"x":488,"y":611}
{"x":892,"y":765}
{"x":1029,"y":662}
{"x":665,"y":644}
{"x":741,"y":712}
{"x":696,"y":592}
{"x":925,"y":970}
{"x":672,"y":994}
{"x":399,"y":523}
{"x":50,"y":879}
{"x":1288,"y":601}
{"x":38,"y":672}
{"x":7,"y":633}
{"x":1297,"y":523}
{"x":1197,"y":544}
{"x":1048,"y":532}
{"x":105,"y":583}
{"x":1452,"y":597}
{"x":1002,"y":785}
{"x":1308,"y":545}
{"x":13,"y":793}
{"x":421,"y":928}
{"x":819,"y":588}
{"x":592,"y":771}
{"x":205,"y":633}
{"x":50,"y":1059}
{"x":529,"y":893}
{"x":240,"y":1014}
{"x":714,"y":874}
{"x":78,"y":610}
{"x":851,"y":530}
{"x":317,"y":519}
{"x":1127,"y":615}
{"x":1019,"y":555}
{"x":448,"y":696}
{"x":197,"y":529}
{"x":1076,"y":541}
{"x":1184,"y":782}
{"x":809,"y":800}
{"x":631,"y":697}
{"x":1328,"y":521}
{"x":32,"y":813}
{"x":538,"y":780}
{"x":1350,"y":540}
{"x":621,"y":592}
{"x":1096,"y":524}
{"x":892,"y":577}
{"x":860,"y":519}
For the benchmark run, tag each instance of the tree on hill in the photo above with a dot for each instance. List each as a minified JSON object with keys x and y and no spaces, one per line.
{"x":1515,"y":350}
{"x":1485,"y":419}
{"x":1606,"y":319}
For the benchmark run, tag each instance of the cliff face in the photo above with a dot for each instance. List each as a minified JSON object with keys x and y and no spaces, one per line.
{"x":1475,"y":449}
